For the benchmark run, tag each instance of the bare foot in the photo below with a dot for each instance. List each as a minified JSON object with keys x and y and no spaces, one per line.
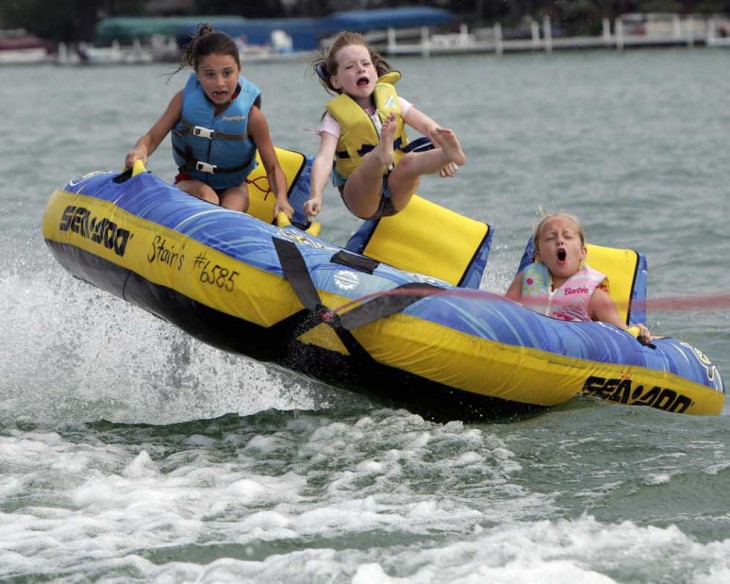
{"x":447,"y":141}
{"x":384,"y":150}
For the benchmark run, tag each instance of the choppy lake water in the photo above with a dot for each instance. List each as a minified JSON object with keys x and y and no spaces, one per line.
{"x":131,"y":452}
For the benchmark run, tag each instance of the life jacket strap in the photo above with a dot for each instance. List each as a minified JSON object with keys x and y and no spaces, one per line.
{"x":397,"y":145}
{"x":193,"y":164}
{"x":202,"y":132}
{"x":419,"y":145}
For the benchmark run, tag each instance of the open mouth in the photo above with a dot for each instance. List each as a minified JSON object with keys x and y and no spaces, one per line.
{"x":562,"y":255}
{"x":363,"y":81}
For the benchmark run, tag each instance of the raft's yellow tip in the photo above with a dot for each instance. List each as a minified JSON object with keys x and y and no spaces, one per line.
{"x":634,"y":331}
{"x":138,"y":167}
{"x":314,"y":228}
{"x":283,"y":221}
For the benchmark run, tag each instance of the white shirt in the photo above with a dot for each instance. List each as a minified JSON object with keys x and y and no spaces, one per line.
{"x":332,"y":126}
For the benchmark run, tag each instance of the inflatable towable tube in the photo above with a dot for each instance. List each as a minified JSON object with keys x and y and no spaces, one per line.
{"x":281,"y":295}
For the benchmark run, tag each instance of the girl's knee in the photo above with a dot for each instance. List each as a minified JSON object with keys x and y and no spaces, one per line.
{"x":408,"y":164}
{"x":359,"y":205}
{"x":236,"y":199}
{"x":208,"y":194}
{"x":199,"y":190}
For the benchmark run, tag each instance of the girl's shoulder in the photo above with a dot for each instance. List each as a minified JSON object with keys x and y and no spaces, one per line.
{"x":330,"y":125}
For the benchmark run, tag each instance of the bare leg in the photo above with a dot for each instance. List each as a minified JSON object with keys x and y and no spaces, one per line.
{"x":404,"y":179}
{"x":235,"y":198}
{"x":364,"y":186}
{"x":198,"y":189}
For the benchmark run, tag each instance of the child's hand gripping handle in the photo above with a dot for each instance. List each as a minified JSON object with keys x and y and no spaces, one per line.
{"x":283,"y":221}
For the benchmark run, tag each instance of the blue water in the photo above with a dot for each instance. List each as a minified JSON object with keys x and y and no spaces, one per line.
{"x":131,"y":452}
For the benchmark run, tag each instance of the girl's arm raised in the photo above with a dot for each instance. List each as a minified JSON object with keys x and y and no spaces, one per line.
{"x":148,"y":143}
{"x":443,"y":138}
{"x":419,"y":121}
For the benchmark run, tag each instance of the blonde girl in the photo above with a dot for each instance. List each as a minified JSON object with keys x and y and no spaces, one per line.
{"x":363,"y":132}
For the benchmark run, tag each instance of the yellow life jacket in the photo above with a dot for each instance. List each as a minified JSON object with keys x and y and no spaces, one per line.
{"x":358,"y":132}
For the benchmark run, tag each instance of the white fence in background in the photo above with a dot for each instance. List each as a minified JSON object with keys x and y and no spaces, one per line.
{"x":628,"y":31}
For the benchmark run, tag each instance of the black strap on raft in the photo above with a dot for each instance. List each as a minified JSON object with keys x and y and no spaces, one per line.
{"x":360,"y":263}
{"x":387,"y":304}
{"x":296,"y":272}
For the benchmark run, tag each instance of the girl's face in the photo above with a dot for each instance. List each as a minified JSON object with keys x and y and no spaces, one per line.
{"x":561,"y":248}
{"x":218,"y":74}
{"x":356,"y":75}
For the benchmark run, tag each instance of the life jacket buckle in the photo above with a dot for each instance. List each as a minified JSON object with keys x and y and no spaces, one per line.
{"x":205,"y":167}
{"x":202,"y":132}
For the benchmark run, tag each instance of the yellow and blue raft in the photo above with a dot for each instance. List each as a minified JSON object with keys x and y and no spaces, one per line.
{"x":412,"y":329}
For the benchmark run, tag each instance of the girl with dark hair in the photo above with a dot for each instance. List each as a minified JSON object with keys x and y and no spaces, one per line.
{"x":217,"y":127}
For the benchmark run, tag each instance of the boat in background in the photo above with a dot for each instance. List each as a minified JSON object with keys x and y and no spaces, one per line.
{"x":719,"y":42}
{"x":719,"y":32}
{"x":84,"y":54}
{"x":18,"y":47}
{"x":280,"y":47}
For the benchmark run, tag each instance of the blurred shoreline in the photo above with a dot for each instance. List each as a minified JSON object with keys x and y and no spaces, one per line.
{"x":628,"y":32}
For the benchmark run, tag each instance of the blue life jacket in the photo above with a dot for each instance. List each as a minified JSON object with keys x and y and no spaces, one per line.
{"x":215,"y":149}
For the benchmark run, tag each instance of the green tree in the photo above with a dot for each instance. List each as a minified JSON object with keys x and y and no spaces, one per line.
{"x":63,"y":20}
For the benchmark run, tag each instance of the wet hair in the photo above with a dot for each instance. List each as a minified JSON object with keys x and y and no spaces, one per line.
{"x":326,"y":65}
{"x":550,"y":216}
{"x":207,"y":41}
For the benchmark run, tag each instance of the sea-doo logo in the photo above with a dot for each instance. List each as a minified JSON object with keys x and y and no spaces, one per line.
{"x":238,"y":118}
{"x":622,"y":391}
{"x":346,"y":280}
{"x":713,"y":375}
{"x":98,"y":229}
